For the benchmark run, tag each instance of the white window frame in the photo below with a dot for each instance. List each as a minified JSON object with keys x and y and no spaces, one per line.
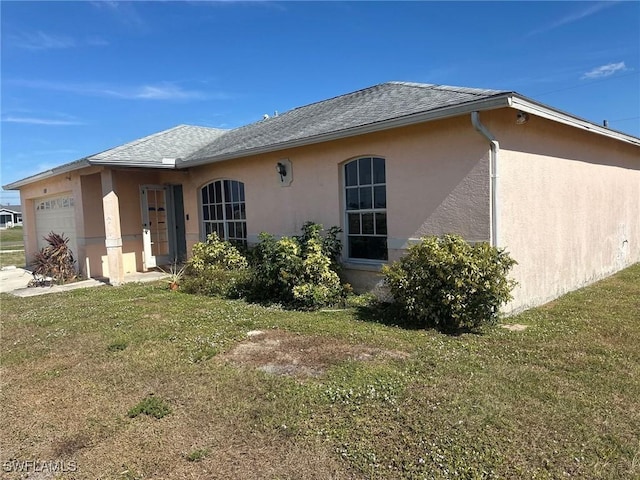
{"x":225,"y":221}
{"x":373,"y":210}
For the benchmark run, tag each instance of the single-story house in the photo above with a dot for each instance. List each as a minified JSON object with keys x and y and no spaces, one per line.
{"x":10,"y":216}
{"x":388,"y":164}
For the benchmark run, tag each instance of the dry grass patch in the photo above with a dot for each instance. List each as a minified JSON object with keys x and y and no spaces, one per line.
{"x":283,"y":353}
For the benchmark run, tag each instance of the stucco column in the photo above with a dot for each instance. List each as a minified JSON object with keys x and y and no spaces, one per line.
{"x":113,"y":235}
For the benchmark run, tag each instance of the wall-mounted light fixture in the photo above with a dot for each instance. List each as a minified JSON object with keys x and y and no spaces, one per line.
{"x":281,"y":168}
{"x":285,"y":172}
{"x":522,"y":118}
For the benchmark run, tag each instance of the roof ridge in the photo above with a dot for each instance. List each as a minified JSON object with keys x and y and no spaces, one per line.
{"x":137,"y":141}
{"x":411,"y":84}
{"x":148,"y":138}
{"x":349,"y":94}
{"x":202,"y":127}
{"x":469,"y":90}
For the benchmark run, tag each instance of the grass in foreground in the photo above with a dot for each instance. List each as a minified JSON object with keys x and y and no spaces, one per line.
{"x":11,"y":239}
{"x":559,"y":399}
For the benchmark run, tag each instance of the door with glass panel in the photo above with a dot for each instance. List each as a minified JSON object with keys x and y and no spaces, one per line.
{"x":156,"y":219}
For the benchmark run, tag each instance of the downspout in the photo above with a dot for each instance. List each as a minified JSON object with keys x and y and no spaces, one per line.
{"x":493,"y":171}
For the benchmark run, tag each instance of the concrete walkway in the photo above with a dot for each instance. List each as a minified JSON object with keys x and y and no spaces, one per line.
{"x":15,"y":281}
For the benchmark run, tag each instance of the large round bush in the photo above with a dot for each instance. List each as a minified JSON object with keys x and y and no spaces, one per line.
{"x":447,"y":283}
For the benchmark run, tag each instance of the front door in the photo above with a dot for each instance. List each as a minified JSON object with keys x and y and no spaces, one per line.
{"x":156,"y":218}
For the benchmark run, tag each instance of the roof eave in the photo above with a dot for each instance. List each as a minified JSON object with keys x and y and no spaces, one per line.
{"x":154,"y":166}
{"x":48,"y":174}
{"x":79,"y":165}
{"x":498,"y":101}
{"x":534,"y":108}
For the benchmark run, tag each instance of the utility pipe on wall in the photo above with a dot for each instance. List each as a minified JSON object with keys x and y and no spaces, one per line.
{"x":493,"y":171}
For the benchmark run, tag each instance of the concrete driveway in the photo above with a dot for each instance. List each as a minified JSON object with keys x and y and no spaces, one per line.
{"x":13,"y":278}
{"x":15,"y":281}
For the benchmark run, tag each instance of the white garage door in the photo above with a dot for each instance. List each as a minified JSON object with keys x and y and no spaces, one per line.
{"x":56,"y":214}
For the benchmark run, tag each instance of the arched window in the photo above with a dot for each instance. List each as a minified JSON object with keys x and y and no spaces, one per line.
{"x":366,"y":208}
{"x":223,"y":210}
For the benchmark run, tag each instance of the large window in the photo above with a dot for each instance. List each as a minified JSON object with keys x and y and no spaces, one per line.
{"x":366,"y":208}
{"x":223,"y":210}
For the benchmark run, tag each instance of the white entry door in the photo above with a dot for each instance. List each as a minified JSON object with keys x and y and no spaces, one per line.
{"x":155,"y":225}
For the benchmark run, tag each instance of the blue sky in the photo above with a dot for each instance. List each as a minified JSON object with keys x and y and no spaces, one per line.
{"x":81,"y":77}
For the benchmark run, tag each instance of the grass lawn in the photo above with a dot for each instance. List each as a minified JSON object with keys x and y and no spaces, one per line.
{"x":140,"y":382}
{"x":11,"y":239}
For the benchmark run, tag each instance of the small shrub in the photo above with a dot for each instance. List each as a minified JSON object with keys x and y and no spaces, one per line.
{"x":213,"y":281}
{"x":217,"y":252}
{"x":175,"y":274}
{"x":216,"y":267}
{"x":55,"y":260}
{"x":330,"y":242}
{"x":152,"y":406}
{"x":445,"y":282}
{"x":297,"y":271}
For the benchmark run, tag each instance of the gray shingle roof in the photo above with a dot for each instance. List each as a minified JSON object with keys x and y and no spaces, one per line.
{"x":382,"y":106}
{"x":371,"y":105}
{"x":12,"y":208}
{"x":160,"y":148}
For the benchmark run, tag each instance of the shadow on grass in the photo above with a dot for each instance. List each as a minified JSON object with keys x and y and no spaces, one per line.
{"x":392,"y":315}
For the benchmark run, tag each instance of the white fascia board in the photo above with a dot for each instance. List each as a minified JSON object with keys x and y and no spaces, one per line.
{"x":492,"y":103}
{"x":122,"y":165}
{"x":71,"y":167}
{"x":83,"y":164}
{"x":534,"y":108}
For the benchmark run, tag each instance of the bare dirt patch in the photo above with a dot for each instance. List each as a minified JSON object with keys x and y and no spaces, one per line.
{"x":283,"y":353}
{"x":514,"y":327}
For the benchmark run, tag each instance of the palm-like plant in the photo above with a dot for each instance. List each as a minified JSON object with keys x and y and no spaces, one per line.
{"x":56,"y":260}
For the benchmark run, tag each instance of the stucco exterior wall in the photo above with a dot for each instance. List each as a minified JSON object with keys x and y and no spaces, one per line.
{"x":93,"y":235}
{"x":127,"y":184}
{"x":569,"y":206}
{"x":68,"y":183}
{"x":437,"y":182}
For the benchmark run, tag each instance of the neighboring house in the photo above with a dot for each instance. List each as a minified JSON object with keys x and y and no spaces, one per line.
{"x":10,"y":216}
{"x":389,"y":164}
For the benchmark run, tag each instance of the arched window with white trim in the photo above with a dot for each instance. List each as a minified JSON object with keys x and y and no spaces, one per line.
{"x":224,"y":211}
{"x":366,"y":208}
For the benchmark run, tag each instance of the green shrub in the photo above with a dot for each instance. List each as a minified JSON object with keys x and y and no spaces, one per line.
{"x":218,"y":253}
{"x":214,"y":281}
{"x":216,"y":267}
{"x":445,"y":282}
{"x":297,"y":271}
{"x":330,"y":242}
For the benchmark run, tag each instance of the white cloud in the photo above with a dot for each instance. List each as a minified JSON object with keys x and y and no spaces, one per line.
{"x":573,"y":17}
{"x":39,"y":121}
{"x":157,"y":91}
{"x":605,"y":70}
{"x":124,"y":12}
{"x":164,"y":92}
{"x":41,"y":41}
{"x":46,"y":41}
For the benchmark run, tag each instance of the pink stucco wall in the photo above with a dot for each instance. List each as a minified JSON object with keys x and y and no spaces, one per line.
{"x":437,"y":182}
{"x":569,"y":205}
